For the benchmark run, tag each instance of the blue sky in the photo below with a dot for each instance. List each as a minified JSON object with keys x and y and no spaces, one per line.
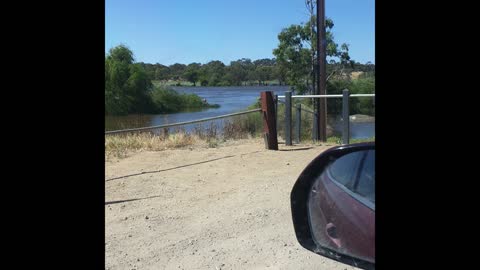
{"x":186,"y":31}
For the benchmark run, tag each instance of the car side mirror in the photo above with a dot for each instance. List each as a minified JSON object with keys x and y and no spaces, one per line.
{"x":333,"y":205}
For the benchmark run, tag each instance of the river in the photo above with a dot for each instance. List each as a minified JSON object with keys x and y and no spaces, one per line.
{"x":230,"y":99}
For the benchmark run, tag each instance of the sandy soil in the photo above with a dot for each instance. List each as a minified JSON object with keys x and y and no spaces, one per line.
{"x":207,"y":208}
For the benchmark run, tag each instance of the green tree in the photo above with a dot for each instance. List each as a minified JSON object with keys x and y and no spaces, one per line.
{"x":294,"y":53}
{"x":161,"y":72}
{"x":239,"y":70}
{"x":149,"y":69}
{"x":176,"y":71}
{"x":127,"y":85}
{"x":192,"y":73}
{"x":263,"y":73}
{"x":265,"y":62}
{"x":213,"y":72}
{"x":280,"y":73}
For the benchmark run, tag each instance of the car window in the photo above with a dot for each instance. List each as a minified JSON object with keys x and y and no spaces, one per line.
{"x":366,"y":181}
{"x":344,"y":169}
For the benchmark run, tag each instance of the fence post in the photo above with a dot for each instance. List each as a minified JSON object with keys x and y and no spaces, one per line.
{"x":315,"y":127}
{"x":288,"y":118}
{"x":165,"y":133}
{"x":269,"y":120}
{"x":276,"y":110}
{"x":299,"y":121}
{"x":346,"y":117}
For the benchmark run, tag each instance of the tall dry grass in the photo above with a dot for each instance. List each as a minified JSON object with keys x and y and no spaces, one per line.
{"x":119,"y":146}
{"x":211,"y":135}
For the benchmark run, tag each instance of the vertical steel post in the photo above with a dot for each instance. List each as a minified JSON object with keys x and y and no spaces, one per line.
{"x":315,"y":127}
{"x":288,"y":118}
{"x":346,"y":117}
{"x":276,"y":110}
{"x":298,"y":123}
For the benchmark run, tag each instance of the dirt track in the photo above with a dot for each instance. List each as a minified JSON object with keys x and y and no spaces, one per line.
{"x":216,"y":208}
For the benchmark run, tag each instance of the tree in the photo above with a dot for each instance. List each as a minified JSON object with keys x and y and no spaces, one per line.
{"x":265,"y":62}
{"x":263,"y":73}
{"x":212,"y":72}
{"x":294,"y":53}
{"x":239,"y":70}
{"x":161,"y":72}
{"x":127,"y":84}
{"x":192,"y":73}
{"x":149,"y":69}
{"x":264,"y":70}
{"x":280,"y":73}
{"x":176,"y":71}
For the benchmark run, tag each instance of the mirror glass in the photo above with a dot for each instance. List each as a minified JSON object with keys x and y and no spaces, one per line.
{"x":341,"y":206}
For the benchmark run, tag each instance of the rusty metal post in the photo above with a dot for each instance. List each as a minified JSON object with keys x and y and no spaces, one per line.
{"x":269,"y":120}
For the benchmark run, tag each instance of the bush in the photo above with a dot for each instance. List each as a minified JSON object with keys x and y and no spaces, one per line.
{"x":362,"y":105}
{"x":167,"y":100}
{"x":364,"y":86}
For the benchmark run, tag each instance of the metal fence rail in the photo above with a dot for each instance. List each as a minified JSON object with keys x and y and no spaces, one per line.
{"x":301,"y":107}
{"x":180,"y":123}
{"x":288,"y":111}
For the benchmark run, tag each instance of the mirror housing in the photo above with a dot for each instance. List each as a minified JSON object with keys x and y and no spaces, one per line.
{"x":299,"y":203}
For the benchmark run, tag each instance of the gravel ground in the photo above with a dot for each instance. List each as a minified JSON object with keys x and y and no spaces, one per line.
{"x":207,"y":208}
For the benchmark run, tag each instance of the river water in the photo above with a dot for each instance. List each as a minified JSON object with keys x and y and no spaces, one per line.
{"x":230,"y":99}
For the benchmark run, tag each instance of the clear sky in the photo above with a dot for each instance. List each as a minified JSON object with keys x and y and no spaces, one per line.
{"x":186,"y":31}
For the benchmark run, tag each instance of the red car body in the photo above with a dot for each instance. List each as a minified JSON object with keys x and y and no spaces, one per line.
{"x":338,"y":212}
{"x":333,"y":205}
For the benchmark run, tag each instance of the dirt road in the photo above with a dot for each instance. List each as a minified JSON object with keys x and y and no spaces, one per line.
{"x":207,"y":208}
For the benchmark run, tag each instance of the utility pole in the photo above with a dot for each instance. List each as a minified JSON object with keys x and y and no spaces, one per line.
{"x":321,"y":104}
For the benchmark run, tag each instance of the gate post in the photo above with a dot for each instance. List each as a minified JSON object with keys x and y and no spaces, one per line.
{"x":269,"y":120}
